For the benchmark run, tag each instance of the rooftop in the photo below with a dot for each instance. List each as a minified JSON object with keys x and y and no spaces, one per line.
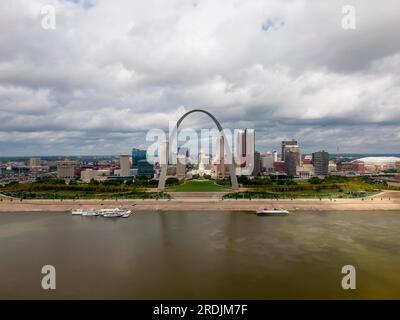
{"x":373,"y":160}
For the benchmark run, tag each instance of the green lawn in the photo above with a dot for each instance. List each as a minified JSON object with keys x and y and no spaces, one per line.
{"x":77,"y":191}
{"x":198,"y":186}
{"x":85,"y":195}
{"x":306,"y":194}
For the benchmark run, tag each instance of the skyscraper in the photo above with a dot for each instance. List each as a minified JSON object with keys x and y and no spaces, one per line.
{"x":291,"y":163}
{"x":320,"y":161}
{"x":137,"y":155}
{"x":66,"y":169}
{"x":275,"y":155}
{"x":145,"y":169}
{"x":221,"y":161}
{"x":181,"y":167}
{"x":245,"y":152}
{"x":181,"y":160}
{"x":257,"y":164}
{"x":295,"y":149}
{"x":34,"y":162}
{"x":287,"y":143}
{"x":267,"y":162}
{"x":125,"y":165}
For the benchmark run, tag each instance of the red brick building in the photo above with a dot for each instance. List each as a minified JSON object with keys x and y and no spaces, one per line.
{"x":279,"y":166}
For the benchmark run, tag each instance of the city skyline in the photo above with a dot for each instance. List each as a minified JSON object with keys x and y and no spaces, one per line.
{"x":116,"y":155}
{"x":74,"y":93}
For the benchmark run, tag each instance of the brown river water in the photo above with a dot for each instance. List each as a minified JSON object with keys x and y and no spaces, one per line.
{"x":200,"y":255}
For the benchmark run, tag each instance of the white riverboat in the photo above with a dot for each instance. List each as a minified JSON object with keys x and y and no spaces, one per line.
{"x":272,"y":212}
{"x":108,"y":213}
{"x":84,"y":212}
{"x":90,"y":213}
{"x":115,"y":213}
{"x":127,"y":214}
{"x":77,"y":212}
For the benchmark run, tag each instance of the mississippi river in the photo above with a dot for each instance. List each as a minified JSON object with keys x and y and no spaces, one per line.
{"x":200,"y":255}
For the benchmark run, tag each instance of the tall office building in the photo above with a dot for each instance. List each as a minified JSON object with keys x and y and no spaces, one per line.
{"x":181,"y":167}
{"x":181,"y":160}
{"x":220,"y":167}
{"x":257,"y":164}
{"x":145,"y":169}
{"x":267,"y":162}
{"x":66,"y":169}
{"x":125,"y":165}
{"x":291,"y":163}
{"x":275,"y":155}
{"x":294,"y":149}
{"x":320,"y":161}
{"x":138,"y":155}
{"x":287,"y":143}
{"x":245,"y":152}
{"x":34,"y":162}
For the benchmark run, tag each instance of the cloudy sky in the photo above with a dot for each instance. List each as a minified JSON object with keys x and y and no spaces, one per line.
{"x":111,"y":70}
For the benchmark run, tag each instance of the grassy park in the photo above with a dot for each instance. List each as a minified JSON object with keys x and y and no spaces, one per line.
{"x":198,"y":186}
{"x":333,"y":187}
{"x":55,"y":189}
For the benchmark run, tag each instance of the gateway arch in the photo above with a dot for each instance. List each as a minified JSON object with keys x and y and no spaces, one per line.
{"x":172,"y":137}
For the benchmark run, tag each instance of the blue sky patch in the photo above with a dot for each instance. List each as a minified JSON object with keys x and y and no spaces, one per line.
{"x":272,"y":24}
